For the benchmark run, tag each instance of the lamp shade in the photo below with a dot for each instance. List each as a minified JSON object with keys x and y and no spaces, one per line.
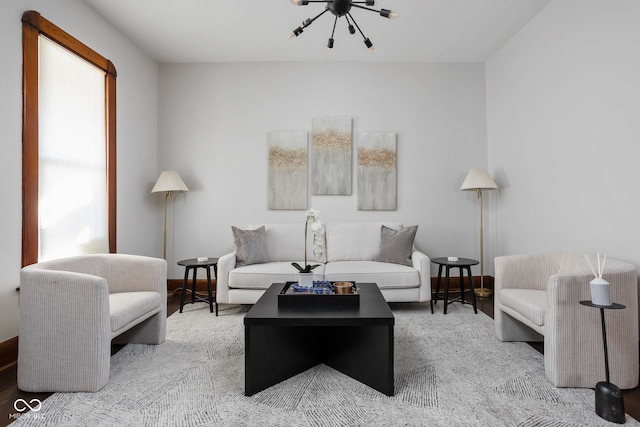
{"x":169,"y":181}
{"x":478,"y":178}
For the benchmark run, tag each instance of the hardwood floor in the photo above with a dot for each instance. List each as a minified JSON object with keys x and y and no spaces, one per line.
{"x":9,"y":391}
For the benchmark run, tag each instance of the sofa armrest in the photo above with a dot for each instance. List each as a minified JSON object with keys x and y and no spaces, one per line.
{"x":422,"y":263}
{"x":65,"y":314}
{"x":573,"y":332}
{"x":226,"y":263}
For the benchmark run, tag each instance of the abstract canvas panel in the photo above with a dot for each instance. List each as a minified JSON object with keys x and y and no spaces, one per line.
{"x":287,"y":170}
{"x":331,"y":155}
{"x":377,"y":171}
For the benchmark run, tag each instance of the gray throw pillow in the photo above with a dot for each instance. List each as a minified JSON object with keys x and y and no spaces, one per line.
{"x":251,"y":246}
{"x":396,"y":246}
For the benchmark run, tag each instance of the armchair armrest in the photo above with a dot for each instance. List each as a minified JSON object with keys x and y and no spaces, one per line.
{"x":226,"y":263}
{"x":64,"y":314}
{"x":524,"y":271}
{"x":422,"y":263}
{"x":573,"y":333}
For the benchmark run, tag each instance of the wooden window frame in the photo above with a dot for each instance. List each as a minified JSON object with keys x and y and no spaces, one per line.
{"x":33,"y":24}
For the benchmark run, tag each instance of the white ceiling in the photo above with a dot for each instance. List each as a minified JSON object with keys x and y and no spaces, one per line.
{"x":191,"y":31}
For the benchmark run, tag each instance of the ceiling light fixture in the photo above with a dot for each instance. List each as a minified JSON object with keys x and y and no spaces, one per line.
{"x":341,"y":8}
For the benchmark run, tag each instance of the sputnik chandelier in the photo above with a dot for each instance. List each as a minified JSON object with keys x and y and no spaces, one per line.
{"x":341,"y":8}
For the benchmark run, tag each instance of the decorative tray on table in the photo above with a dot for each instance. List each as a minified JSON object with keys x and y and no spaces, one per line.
{"x":322,"y":294}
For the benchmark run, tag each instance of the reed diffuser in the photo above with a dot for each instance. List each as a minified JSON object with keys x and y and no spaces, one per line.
{"x":600,"y":288}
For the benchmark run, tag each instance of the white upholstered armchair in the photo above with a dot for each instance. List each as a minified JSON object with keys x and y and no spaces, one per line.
{"x":538,"y":296}
{"x":72,"y":308}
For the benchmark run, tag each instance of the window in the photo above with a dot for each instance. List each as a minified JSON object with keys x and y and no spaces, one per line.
{"x":69,"y":191}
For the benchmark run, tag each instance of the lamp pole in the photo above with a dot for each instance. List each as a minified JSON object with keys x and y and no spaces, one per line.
{"x":482,"y":292}
{"x":166,"y":202}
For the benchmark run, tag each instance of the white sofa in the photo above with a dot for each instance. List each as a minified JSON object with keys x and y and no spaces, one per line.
{"x":350,"y":252}
{"x":537,"y":298}
{"x":72,"y":309}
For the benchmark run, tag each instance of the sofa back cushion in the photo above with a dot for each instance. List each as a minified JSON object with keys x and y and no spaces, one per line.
{"x":285,"y":242}
{"x":396,"y":246}
{"x":251,"y":246}
{"x":354,"y":241}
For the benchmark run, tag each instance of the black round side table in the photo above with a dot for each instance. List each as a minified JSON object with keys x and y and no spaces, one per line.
{"x":194,"y":264}
{"x":461,"y":264}
{"x":609,"y":402}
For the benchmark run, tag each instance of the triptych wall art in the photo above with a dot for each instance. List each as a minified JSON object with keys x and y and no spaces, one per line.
{"x":377,"y":171}
{"x":287,"y":170}
{"x":331,"y":155}
{"x":331,"y":165}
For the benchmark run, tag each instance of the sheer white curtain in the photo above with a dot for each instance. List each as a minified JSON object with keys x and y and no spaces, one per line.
{"x":72,"y":186}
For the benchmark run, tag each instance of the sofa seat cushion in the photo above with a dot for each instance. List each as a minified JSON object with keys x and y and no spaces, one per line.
{"x":127,"y":307}
{"x":261,"y":276}
{"x":530,"y":303}
{"x":386,"y":275}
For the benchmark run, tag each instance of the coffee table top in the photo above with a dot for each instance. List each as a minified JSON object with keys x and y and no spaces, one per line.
{"x":373,"y":310}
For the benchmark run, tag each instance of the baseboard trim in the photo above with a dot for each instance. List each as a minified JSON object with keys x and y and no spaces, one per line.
{"x":454,"y":283}
{"x":174,"y":286}
{"x":8,"y":353}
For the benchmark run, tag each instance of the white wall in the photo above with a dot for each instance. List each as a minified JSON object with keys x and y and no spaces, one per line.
{"x":563,"y":107}
{"x":139,"y":214}
{"x":213,"y":126}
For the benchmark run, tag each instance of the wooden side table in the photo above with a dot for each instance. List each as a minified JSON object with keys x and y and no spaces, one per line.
{"x":609,"y":401}
{"x":194,"y":264}
{"x":461,"y":264}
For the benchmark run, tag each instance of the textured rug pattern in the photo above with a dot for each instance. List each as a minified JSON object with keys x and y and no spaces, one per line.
{"x":449,"y":371}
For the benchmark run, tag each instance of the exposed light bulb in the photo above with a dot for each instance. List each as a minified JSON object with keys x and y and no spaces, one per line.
{"x":386,"y":13}
{"x":368,"y":44}
{"x":295,"y":33}
{"x":300,"y":2}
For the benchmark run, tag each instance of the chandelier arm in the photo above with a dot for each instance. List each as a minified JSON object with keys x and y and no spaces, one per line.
{"x":308,"y":22}
{"x":357,"y":26}
{"x":306,"y":2}
{"x":349,"y":26}
{"x":334,"y":26}
{"x":365,"y":8}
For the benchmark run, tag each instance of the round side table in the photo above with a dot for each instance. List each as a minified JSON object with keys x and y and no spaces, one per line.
{"x":609,"y":402}
{"x":462,"y":264}
{"x":194,"y":264}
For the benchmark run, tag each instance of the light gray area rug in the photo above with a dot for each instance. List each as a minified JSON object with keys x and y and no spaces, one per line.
{"x":449,"y":371}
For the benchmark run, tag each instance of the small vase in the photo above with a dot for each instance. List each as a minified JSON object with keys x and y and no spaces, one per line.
{"x":600,"y":292}
{"x":306,"y":280}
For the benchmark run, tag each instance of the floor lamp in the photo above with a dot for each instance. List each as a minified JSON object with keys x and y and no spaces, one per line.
{"x":168,"y":181}
{"x":478,"y":180}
